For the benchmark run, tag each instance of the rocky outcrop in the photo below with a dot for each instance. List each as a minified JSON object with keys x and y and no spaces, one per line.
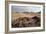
{"x":26,"y":22}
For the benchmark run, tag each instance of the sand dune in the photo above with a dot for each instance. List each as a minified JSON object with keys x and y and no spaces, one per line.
{"x":29,"y":15}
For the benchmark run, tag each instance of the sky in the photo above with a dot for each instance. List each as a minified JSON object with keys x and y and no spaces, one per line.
{"x":26,"y":8}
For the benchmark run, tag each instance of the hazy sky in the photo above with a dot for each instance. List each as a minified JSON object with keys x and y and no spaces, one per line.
{"x":26,"y":8}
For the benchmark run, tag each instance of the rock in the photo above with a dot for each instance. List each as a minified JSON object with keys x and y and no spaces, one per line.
{"x":26,"y":22}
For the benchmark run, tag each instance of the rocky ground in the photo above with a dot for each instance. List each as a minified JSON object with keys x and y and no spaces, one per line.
{"x":27,"y":20}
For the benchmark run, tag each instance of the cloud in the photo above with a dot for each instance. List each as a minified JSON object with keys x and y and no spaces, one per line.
{"x":26,"y":8}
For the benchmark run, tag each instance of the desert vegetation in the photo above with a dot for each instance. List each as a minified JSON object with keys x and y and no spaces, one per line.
{"x":25,"y":19}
